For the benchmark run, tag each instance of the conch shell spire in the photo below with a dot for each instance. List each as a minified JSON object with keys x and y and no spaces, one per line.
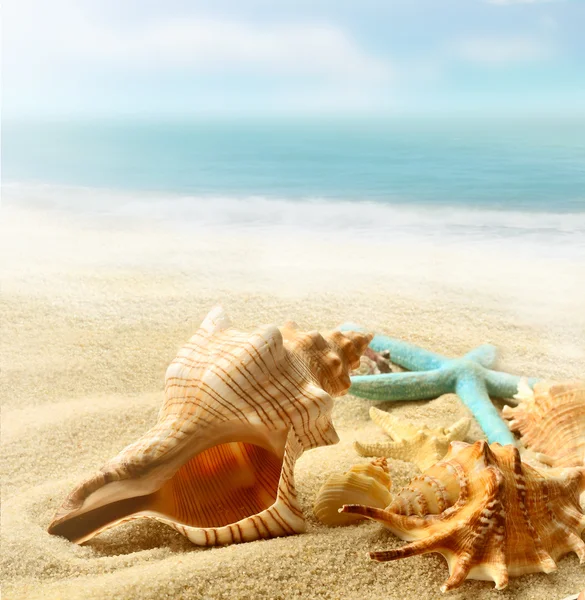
{"x":239,"y":410}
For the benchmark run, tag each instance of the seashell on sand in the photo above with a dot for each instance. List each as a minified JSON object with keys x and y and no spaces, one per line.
{"x":551,"y":421}
{"x":373,"y":363}
{"x":362,"y":484}
{"x":218,"y":465}
{"x":490,"y":515}
{"x":412,"y":443}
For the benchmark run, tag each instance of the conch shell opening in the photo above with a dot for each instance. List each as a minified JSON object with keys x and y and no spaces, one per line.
{"x":240,"y":408}
{"x":218,"y":486}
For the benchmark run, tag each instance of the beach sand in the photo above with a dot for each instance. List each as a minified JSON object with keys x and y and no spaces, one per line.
{"x":92,"y":314}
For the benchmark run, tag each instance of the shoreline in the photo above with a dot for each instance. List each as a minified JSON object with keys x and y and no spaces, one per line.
{"x":95,"y":315}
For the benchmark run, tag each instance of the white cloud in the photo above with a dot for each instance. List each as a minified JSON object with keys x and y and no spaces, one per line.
{"x":65,"y":37}
{"x":501,"y":50}
{"x":66,"y":56}
{"x":293,"y":49}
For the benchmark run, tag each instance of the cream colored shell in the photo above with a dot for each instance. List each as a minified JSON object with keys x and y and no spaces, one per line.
{"x":551,"y":421}
{"x":373,"y":363}
{"x":218,"y":465}
{"x":362,"y":484}
{"x":490,"y":515}
{"x":412,"y":443}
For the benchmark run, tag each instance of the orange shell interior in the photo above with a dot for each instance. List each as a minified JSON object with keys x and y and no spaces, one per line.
{"x":219,"y":486}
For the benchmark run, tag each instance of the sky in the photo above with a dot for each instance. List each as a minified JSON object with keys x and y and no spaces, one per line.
{"x":176,"y":57}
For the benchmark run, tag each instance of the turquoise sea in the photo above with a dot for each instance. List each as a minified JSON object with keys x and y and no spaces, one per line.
{"x":493,"y":178}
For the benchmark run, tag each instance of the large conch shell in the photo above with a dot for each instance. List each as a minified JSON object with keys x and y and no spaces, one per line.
{"x":367,"y":484}
{"x":239,"y":409}
{"x":551,"y":421}
{"x":490,"y":515}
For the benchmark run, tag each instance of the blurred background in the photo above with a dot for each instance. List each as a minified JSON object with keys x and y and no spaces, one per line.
{"x":437,"y":118}
{"x":142,"y":58}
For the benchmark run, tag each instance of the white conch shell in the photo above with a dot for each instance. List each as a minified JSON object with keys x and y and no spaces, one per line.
{"x":413,"y":443}
{"x":551,"y":420}
{"x":362,"y":484}
{"x":239,"y":409}
{"x":488,"y":513}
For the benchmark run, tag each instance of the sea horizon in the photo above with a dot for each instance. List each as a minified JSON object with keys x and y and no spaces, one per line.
{"x":521,"y":183}
{"x":528,"y":164}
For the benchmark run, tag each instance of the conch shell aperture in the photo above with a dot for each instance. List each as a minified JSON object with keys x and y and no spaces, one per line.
{"x":218,"y":465}
{"x":490,"y":515}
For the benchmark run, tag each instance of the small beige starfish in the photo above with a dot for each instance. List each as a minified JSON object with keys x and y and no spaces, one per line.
{"x":413,"y":443}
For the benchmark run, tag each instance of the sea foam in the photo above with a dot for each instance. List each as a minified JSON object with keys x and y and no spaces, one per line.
{"x":530,"y":233}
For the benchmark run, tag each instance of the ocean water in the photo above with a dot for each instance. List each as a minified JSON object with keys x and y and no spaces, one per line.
{"x":518,"y":180}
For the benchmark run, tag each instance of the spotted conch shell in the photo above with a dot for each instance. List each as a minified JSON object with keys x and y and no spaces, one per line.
{"x":551,"y":421}
{"x":490,"y":515}
{"x":414,"y":443}
{"x":362,"y":484}
{"x":239,"y":410}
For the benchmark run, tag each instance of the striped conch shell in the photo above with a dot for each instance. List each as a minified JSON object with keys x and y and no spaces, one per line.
{"x":362,"y":484}
{"x":488,"y":513}
{"x":551,"y":421}
{"x":239,"y":410}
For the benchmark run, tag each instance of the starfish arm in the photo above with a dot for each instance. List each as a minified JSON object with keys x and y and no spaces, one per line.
{"x":485,"y":355}
{"x":471,"y":388}
{"x":348,"y":326}
{"x":401,"y":450}
{"x":429,"y":452}
{"x":395,"y":428}
{"x":525,"y":392}
{"x":458,"y":430}
{"x":503,"y":385}
{"x":403,"y":386}
{"x":407,"y":355}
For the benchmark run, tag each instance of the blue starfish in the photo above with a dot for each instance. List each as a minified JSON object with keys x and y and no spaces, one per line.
{"x":470,"y":377}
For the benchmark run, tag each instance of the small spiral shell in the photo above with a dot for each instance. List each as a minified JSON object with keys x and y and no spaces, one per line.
{"x":362,"y":484}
